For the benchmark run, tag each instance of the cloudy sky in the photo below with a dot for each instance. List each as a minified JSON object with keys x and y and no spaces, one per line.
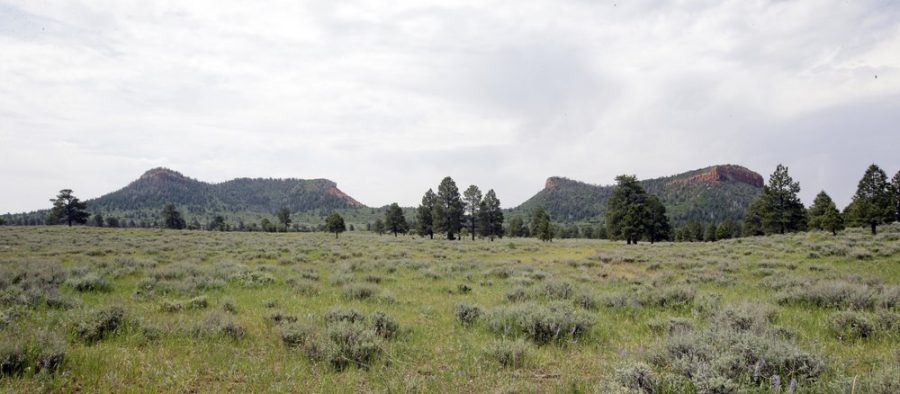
{"x":388,"y":97}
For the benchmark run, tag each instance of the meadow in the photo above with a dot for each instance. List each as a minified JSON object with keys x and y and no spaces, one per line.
{"x":137,"y":310}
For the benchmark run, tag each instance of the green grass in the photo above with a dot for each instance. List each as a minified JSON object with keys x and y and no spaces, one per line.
{"x":416,"y":282}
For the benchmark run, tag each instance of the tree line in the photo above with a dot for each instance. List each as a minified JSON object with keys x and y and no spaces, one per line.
{"x":632,"y":214}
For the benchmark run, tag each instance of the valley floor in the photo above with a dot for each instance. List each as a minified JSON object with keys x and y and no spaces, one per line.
{"x":131,"y":310}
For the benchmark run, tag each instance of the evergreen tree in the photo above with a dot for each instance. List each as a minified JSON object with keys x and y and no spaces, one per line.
{"x":284,"y":217}
{"x":657,"y":227}
{"x":540,"y":225}
{"x":334,"y":223}
{"x":68,"y":209}
{"x":782,"y":209}
{"x":394,"y":220}
{"x":517,"y":227}
{"x":753,"y":221}
{"x":112,"y":222}
{"x":626,"y":212}
{"x":448,"y":209}
{"x":723,"y":231}
{"x":872,"y":204}
{"x":490,"y":216}
{"x":378,"y":227}
{"x":266,"y":225}
{"x":472,"y":198}
{"x":832,"y":220}
{"x":895,"y":195}
{"x":820,"y":206}
{"x":710,"y":234}
{"x":98,"y":219}
{"x":424,"y":218}
{"x":171,"y":217}
{"x":217,"y":224}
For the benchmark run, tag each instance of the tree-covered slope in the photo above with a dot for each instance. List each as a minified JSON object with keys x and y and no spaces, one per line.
{"x":709,"y":195}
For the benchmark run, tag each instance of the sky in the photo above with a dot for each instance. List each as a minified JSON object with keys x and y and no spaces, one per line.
{"x":388,"y":97}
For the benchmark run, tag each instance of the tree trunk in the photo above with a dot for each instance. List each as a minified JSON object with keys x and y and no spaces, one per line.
{"x":431,"y":235}
{"x":873,"y":228}
{"x":335,"y":235}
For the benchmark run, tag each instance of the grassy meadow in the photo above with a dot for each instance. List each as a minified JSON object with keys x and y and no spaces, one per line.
{"x":136,"y":310}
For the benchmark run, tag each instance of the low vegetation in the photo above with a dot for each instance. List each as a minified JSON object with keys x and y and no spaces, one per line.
{"x":107,"y":310}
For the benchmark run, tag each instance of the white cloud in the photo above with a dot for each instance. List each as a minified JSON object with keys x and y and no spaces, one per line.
{"x":387,"y":97}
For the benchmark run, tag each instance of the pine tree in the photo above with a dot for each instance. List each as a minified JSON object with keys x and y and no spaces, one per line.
{"x":424,"y":218}
{"x":820,"y":206}
{"x":68,"y":209}
{"x":753,"y":220}
{"x":98,"y":219}
{"x":710,"y":234}
{"x":783,"y":211}
{"x":517,"y":227}
{"x":171,"y":218}
{"x":540,"y":225}
{"x":490,"y":216}
{"x":895,"y":195}
{"x":626,"y":212}
{"x":334,"y":223}
{"x":832,"y":220}
{"x":112,"y":222}
{"x":657,"y":227}
{"x":394,"y":221}
{"x":472,"y":199}
{"x":284,"y":217}
{"x":378,"y":227}
{"x":872,"y":204}
{"x":448,"y":209}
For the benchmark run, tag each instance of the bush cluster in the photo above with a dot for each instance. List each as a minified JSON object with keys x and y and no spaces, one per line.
{"x":556,"y":322}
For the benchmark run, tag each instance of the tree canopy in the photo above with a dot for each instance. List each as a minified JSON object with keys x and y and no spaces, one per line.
{"x":490,"y":216}
{"x":171,"y":218}
{"x":540,"y":225}
{"x":448,"y":209}
{"x":68,"y":209}
{"x":335,"y":224}
{"x":394,"y":220}
{"x":424,"y":218}
{"x":873,"y":202}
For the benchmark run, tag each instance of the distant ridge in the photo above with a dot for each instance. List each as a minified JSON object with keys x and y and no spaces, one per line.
{"x":709,"y":195}
{"x":159,"y":186}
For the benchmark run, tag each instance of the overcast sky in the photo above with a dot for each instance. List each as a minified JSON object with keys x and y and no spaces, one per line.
{"x":388,"y":97}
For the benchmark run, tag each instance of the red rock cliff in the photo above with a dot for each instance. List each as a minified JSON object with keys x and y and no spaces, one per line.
{"x":723,"y":173}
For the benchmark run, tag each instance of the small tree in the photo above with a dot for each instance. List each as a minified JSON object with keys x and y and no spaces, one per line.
{"x":657,"y":226}
{"x":424,"y":218}
{"x":819,"y":208}
{"x":832,"y":220}
{"x":378,"y":227}
{"x":97,"y":220}
{"x":394,"y":220}
{"x":710,"y":234}
{"x":753,"y":219}
{"x":335,"y":224}
{"x":782,"y":210}
{"x":490,"y":216}
{"x":472,"y":198}
{"x":171,"y":218}
{"x":68,"y":209}
{"x":112,"y":222}
{"x":517,"y":227}
{"x":872,"y":204}
{"x":626,"y":212}
{"x":540,"y":225}
{"x":284,"y":217}
{"x":895,"y":195}
{"x":448,"y":209}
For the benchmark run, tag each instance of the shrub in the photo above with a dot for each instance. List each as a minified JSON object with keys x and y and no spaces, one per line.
{"x":385,"y":326}
{"x":360,"y":291}
{"x":636,"y":377}
{"x":671,"y":325}
{"x":849,"y":325}
{"x":463,"y":288}
{"x":13,"y":358}
{"x":99,"y":324}
{"x":508,"y":353}
{"x":171,"y":306}
{"x":45,"y":352}
{"x":297,"y":334}
{"x":516,"y":294}
{"x":672,"y":297}
{"x":586,"y":300}
{"x":556,"y":290}
{"x":344,"y":344}
{"x":557,"y":322}
{"x":304,"y":286}
{"x":279,"y":317}
{"x":229,"y":306}
{"x":731,"y":352}
{"x":833,"y":294}
{"x":336,"y":315}
{"x":89,"y":282}
{"x":216,"y":324}
{"x":467,"y":313}
{"x":198,"y":303}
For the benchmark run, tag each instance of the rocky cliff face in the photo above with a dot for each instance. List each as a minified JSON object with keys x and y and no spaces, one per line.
{"x":722,"y":173}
